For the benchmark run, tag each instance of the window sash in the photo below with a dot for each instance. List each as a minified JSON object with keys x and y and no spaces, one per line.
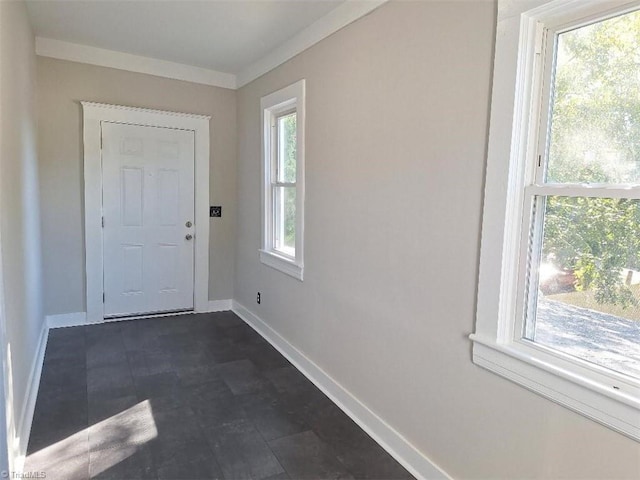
{"x":536,"y":187}
{"x":530,"y":249}
{"x":278,"y":221}
{"x":582,"y":190}
{"x":275,"y":143}
{"x":276,"y":218}
{"x":544,"y":77}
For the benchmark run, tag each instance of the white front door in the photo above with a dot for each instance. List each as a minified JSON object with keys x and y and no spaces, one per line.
{"x":148,"y":207}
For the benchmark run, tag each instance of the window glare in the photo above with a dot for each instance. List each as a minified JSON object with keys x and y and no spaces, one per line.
{"x":595,"y":120}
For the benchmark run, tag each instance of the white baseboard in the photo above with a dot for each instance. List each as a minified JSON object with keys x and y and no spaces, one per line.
{"x":29,"y":402}
{"x":389,"y":439}
{"x":66,"y":320}
{"x":80,"y":318}
{"x":219,"y":305}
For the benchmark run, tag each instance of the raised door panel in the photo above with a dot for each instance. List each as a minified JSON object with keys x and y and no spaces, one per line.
{"x":132,"y":194}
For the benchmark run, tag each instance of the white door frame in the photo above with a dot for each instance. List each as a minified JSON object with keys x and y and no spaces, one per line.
{"x":93,"y":116}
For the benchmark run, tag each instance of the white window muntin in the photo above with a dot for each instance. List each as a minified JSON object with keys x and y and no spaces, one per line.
{"x":520,"y":104}
{"x":277,"y":105}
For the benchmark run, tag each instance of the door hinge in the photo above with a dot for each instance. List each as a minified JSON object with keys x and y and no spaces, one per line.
{"x":102,"y":297}
{"x":102,"y":222}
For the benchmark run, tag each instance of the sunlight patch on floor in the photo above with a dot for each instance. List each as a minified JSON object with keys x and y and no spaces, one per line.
{"x":123,"y":433}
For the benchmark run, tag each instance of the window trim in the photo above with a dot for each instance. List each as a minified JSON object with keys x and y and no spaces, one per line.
{"x":274,"y":105}
{"x":517,"y":98}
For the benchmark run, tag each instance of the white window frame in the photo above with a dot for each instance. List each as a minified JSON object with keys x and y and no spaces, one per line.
{"x":274,"y":105}
{"x":517,"y":109}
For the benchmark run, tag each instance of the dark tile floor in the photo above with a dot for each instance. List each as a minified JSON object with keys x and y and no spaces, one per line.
{"x":188,"y":397}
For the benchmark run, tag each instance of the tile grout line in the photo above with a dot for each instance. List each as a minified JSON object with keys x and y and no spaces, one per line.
{"x":255,"y":427}
{"x":262,"y":436}
{"x":310,"y":429}
{"x":267,"y":410}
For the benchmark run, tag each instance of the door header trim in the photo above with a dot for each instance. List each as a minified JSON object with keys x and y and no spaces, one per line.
{"x":106,"y":106}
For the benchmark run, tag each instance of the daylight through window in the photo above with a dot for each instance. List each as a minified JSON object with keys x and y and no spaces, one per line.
{"x":584,"y":276}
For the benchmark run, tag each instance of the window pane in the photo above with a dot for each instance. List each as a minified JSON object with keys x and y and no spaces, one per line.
{"x":285,"y":220}
{"x":587,"y":300}
{"x":595,"y":121}
{"x":287,"y":148}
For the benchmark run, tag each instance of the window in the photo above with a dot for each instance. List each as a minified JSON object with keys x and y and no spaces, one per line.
{"x":283,"y":179}
{"x":559,"y":288}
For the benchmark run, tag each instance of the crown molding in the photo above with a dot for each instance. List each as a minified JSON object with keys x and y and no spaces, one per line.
{"x":340,"y":17}
{"x":47,"y":47}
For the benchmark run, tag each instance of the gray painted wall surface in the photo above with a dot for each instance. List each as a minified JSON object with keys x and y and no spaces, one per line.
{"x":19,"y":206}
{"x":397,"y":121}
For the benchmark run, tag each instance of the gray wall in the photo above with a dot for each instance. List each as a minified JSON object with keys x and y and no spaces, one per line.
{"x":397,"y":110}
{"x":19,"y":207}
{"x":61,"y":86}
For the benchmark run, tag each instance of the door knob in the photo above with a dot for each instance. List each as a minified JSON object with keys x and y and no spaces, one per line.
{"x":188,"y":236}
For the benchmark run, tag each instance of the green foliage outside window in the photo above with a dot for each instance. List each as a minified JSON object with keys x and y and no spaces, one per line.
{"x":290,"y":174}
{"x":595,"y":138}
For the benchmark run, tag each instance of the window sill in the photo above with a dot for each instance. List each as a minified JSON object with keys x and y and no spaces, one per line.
{"x":282,"y":264}
{"x":592,"y":397}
